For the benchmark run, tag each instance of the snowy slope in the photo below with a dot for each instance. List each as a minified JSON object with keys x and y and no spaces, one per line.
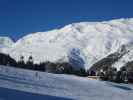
{"x":91,"y":41}
{"x":5,"y":42}
{"x":64,"y":86}
{"x":128,"y":57}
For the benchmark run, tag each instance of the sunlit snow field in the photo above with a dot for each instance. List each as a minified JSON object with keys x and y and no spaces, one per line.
{"x":58,"y":87}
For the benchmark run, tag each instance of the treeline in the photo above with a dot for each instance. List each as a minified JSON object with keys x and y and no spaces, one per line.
{"x":59,"y":68}
{"x":111,"y":74}
{"x":104,"y":69}
{"x":124,"y":75}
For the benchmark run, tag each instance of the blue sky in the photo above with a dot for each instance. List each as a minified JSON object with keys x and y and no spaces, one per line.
{"x":20,"y":17}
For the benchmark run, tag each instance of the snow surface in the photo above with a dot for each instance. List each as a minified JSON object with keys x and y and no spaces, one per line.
{"x":94,"y":40}
{"x":64,"y":86}
{"x":126,"y":58}
{"x":11,"y":94}
{"x":5,"y":42}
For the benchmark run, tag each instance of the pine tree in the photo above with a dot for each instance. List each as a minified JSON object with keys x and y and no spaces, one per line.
{"x":29,"y":63}
{"x":21,"y":63}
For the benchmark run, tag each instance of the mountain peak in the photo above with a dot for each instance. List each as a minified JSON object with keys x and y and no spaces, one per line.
{"x":88,"y":41}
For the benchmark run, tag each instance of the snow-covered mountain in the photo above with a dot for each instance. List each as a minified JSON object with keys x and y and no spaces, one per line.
{"x":126,"y":58}
{"x":6,"y":42}
{"x":82,"y":43}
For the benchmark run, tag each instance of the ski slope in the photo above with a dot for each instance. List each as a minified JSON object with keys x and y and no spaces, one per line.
{"x":63,"y":86}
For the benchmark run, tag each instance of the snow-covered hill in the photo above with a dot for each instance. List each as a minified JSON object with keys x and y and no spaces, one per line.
{"x":80,"y":43}
{"x":5,"y":42}
{"x":62,"y":86}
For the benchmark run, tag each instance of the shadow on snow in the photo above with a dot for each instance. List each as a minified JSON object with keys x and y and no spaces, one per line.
{"x":9,"y":94}
{"x":120,"y":86}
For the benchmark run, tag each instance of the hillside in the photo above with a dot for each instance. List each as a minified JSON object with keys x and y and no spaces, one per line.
{"x":81,"y":44}
{"x":5,"y":42}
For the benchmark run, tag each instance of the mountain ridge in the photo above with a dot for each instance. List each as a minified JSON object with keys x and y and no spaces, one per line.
{"x":91,"y":41}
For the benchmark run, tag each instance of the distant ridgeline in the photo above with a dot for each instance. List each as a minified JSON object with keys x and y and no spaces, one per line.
{"x":59,"y":68}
